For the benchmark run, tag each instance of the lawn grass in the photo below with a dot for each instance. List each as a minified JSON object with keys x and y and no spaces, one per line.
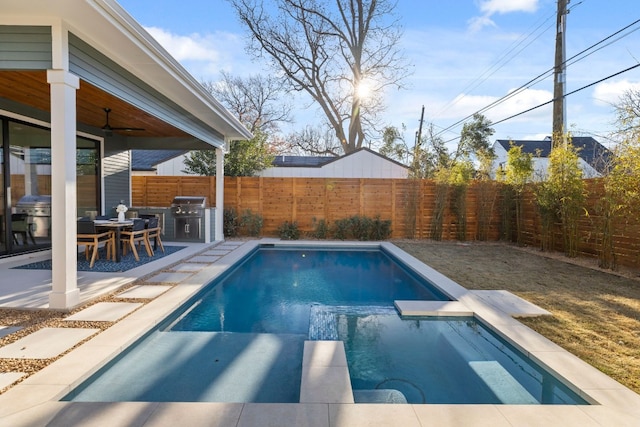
{"x":596,"y":314}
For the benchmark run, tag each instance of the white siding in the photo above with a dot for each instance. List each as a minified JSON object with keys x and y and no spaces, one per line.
{"x":173,"y":167}
{"x":540,"y":165}
{"x":362,"y":164}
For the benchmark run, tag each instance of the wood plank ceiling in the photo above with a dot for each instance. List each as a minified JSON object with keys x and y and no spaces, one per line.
{"x":31,"y":88}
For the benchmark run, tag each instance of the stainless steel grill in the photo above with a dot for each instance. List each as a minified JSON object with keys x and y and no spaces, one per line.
{"x":38,"y":209}
{"x":188,"y":212}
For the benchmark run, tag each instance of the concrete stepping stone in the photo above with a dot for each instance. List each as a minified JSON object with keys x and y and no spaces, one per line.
{"x":165,"y":277}
{"x":217,"y":252}
{"x":8,"y":378}
{"x":144,"y":291}
{"x":207,"y":259}
{"x":6,"y":330}
{"x":188,"y":267}
{"x":45,"y":343}
{"x":231,"y":243}
{"x":105,"y":312}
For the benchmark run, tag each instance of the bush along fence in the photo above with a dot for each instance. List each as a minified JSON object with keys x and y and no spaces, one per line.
{"x":364,"y":209}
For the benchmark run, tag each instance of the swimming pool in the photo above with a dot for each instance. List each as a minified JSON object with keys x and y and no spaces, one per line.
{"x":241,"y":338}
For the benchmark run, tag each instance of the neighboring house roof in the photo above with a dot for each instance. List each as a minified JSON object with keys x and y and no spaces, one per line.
{"x":362,"y":163}
{"x":589,"y":150}
{"x":320,"y":161}
{"x":148,"y":160}
{"x":301,"y":161}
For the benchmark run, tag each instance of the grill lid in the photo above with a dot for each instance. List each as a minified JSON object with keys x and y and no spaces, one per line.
{"x":192,"y":201}
{"x":32,"y":200}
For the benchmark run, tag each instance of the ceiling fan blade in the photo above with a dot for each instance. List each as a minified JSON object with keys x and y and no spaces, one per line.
{"x":108,"y":129}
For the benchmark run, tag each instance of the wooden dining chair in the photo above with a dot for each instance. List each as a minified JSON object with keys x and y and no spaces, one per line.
{"x":153,"y":233}
{"x":130,"y":237}
{"x":91,"y":239}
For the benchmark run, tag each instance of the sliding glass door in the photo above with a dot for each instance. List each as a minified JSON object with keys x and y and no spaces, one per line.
{"x":26,"y":187}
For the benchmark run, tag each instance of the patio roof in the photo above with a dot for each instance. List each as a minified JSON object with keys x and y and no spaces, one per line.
{"x":62,"y":63}
{"x":106,"y":27}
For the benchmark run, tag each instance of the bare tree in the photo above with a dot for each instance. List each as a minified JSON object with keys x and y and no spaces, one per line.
{"x":627,"y":111}
{"x":333,"y":50}
{"x":314,"y":140}
{"x":258,"y":101}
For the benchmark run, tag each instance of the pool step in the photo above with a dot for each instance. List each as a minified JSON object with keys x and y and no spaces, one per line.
{"x":325,"y":374}
{"x":432,"y":308}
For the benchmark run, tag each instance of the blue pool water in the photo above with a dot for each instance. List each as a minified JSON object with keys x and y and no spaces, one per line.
{"x":273,"y":291}
{"x":241,"y":339}
{"x":440,"y":360}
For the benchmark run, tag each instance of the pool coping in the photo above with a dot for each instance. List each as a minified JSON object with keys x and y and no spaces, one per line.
{"x":35,"y":401}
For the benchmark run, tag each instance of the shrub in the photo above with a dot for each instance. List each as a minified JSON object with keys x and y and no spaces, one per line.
{"x":341,"y":228}
{"x":231,"y":223}
{"x":380,"y":228}
{"x":289,"y":231}
{"x":362,"y":228}
{"x":251,"y":223}
{"x":320,"y":229}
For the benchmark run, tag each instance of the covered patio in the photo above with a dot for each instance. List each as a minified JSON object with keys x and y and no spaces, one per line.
{"x":86,"y":69}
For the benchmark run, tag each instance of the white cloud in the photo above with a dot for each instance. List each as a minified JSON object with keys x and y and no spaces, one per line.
{"x":477,"y":23}
{"x":466,"y":105}
{"x":490,"y":7}
{"x":608,"y":93}
{"x":185,"y":48}
{"x":204,"y":55}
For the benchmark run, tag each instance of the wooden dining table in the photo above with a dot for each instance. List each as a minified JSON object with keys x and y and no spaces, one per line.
{"x":116,"y":226}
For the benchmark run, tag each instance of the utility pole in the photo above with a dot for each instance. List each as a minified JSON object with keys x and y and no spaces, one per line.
{"x":559,"y":75}
{"x":416,"y":146}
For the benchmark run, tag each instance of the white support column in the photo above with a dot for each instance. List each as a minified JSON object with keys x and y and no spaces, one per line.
{"x":65,"y":293}
{"x":219,"y":231}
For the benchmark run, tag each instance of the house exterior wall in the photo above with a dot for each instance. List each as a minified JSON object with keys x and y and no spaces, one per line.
{"x":116,"y":178}
{"x":25,"y":47}
{"x":540,"y":165}
{"x":362,"y":164}
{"x":172,"y":167}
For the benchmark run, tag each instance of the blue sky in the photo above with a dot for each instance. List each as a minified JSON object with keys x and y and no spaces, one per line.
{"x":466,"y":54}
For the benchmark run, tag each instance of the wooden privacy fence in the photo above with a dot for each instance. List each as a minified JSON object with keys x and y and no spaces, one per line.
{"x":409,"y":204}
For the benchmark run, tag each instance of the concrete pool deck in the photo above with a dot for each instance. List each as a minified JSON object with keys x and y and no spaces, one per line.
{"x":35,"y":401}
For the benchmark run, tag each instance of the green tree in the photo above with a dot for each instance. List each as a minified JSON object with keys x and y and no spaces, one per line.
{"x":343,"y":55}
{"x":257,"y":102}
{"x":475,"y":143}
{"x":516,"y":174}
{"x":244,"y":158}
{"x":424,"y":159}
{"x":562,"y":195}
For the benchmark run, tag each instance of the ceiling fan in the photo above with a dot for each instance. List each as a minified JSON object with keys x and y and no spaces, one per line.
{"x":108,"y":129}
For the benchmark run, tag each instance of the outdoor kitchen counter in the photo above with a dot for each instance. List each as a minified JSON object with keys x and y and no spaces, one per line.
{"x":166,"y":221}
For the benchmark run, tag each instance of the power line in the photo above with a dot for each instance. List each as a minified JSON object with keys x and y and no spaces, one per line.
{"x":502,"y":60}
{"x":575,"y":58}
{"x":479,"y":80}
{"x":570,"y":93}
